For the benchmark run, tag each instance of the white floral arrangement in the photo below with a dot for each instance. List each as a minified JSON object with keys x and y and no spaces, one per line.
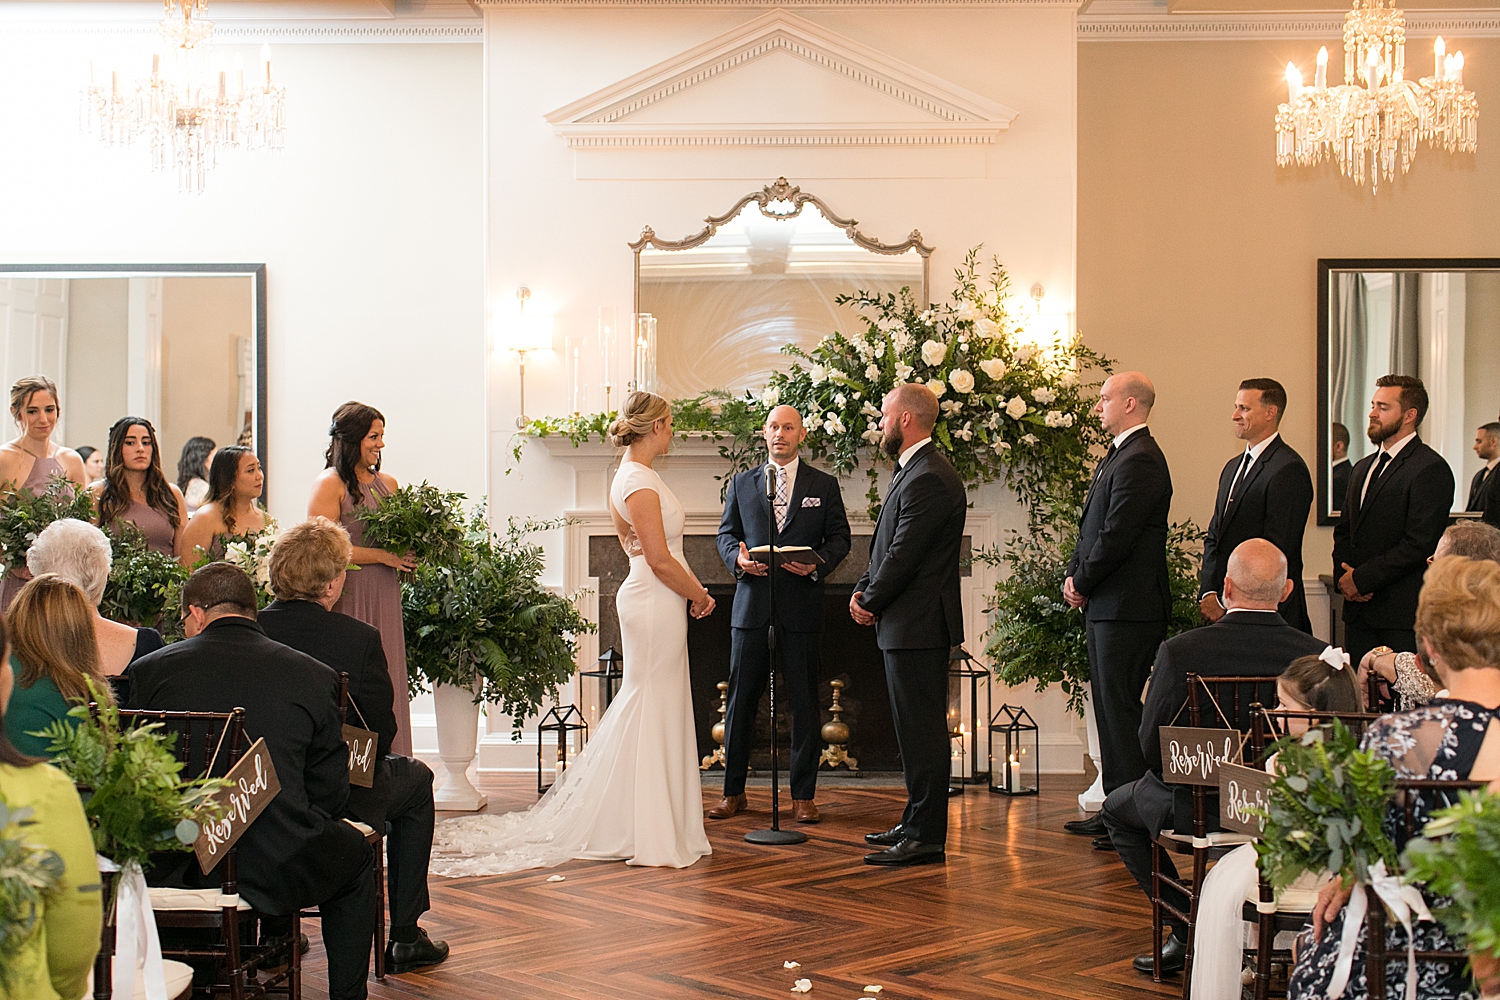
{"x":251,"y":552}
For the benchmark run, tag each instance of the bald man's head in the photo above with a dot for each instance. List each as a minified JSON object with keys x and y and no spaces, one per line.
{"x":1256,"y":577}
{"x":1125,"y":400}
{"x":784,"y":433}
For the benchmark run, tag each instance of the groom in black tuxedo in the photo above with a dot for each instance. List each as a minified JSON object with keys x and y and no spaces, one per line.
{"x":910,"y":593}
{"x":809,"y":510}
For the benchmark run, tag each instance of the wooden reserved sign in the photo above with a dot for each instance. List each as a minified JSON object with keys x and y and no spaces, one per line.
{"x":1242,"y":789}
{"x":1193,"y":756}
{"x":252,"y":786}
{"x":362,"y":745}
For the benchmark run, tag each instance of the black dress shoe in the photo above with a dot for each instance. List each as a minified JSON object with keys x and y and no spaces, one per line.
{"x":1173,"y":957}
{"x":1104,"y":843}
{"x":1091,"y":827}
{"x":889,"y":838}
{"x":908,"y":852}
{"x":403,"y":957}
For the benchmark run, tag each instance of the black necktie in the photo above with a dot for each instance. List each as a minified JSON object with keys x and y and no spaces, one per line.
{"x":1380,"y":464}
{"x":1244,"y":464}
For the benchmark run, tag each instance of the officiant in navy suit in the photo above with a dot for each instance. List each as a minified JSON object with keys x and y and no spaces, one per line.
{"x":809,"y":511}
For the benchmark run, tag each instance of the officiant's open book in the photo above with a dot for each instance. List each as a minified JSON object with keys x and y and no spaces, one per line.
{"x":786,"y":553}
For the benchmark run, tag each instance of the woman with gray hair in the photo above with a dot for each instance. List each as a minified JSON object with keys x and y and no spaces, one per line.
{"x":80,"y":553}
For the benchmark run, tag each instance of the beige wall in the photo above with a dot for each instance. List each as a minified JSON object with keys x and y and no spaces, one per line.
{"x":1197,"y":255}
{"x":96,"y":358}
{"x":202,"y":321}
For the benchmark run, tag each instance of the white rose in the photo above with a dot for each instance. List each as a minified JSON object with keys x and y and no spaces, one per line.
{"x":933,"y":352}
{"x":1016,"y":407}
{"x":993,"y":367}
{"x":961,"y":380}
{"x":938,"y":386}
{"x":1043,"y":395}
{"x":903,"y":372}
{"x":770,"y":397}
{"x":986,"y":327}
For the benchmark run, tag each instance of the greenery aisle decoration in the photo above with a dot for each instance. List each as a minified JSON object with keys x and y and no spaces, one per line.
{"x":142,"y":581}
{"x":1326,"y":809}
{"x":422,"y":520}
{"x":29,"y":877}
{"x":1458,"y":856}
{"x":23,"y":515}
{"x":484,"y":616}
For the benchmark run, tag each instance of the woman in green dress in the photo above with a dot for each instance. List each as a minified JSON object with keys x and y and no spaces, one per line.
{"x":54,"y":656}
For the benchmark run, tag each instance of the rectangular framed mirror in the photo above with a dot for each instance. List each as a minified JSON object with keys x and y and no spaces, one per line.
{"x":1435,"y":318}
{"x":183,"y":345}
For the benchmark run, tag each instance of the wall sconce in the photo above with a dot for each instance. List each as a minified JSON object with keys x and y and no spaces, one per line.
{"x":522,"y":333}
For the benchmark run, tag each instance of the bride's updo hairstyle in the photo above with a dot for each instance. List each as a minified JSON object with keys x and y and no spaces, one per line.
{"x":641,"y":412}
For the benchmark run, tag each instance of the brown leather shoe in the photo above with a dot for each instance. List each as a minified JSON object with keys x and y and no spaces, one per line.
{"x":805,"y":811}
{"x":728,"y":806}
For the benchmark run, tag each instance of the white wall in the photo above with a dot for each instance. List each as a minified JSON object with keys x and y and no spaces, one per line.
{"x":559,"y":223}
{"x":369,"y":223}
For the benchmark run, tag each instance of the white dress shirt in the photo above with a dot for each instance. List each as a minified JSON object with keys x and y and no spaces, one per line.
{"x":908,"y":452}
{"x":1120,"y":437}
{"x":1254,"y":451}
{"x":1392,"y":448}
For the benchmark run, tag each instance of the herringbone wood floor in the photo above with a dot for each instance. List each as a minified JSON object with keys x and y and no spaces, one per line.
{"x":1021,"y":909}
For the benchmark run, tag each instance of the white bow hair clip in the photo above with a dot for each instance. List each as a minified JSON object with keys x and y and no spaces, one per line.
{"x":1335,"y":657}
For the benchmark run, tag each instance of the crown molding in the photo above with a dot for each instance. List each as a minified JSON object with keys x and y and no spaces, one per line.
{"x":1137,"y":21}
{"x":958,"y":116}
{"x":283,"y":32}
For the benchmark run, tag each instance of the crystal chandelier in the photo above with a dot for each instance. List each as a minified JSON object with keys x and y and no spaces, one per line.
{"x":193,"y":105}
{"x":1376,"y":118}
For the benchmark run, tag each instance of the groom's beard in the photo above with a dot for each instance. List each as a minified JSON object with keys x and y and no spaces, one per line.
{"x":892,"y":442}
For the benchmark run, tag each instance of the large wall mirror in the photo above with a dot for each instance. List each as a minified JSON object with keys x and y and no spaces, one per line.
{"x":183,"y":345}
{"x":763,"y":274}
{"x":1437,"y":319}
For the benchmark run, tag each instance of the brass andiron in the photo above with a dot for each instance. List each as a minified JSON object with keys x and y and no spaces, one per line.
{"x":717,"y":757}
{"x":836,"y":733}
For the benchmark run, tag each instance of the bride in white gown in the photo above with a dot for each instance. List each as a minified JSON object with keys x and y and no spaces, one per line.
{"x":633,"y":794}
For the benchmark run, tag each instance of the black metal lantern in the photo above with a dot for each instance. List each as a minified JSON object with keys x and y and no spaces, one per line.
{"x":964,"y":734}
{"x":564,"y":720}
{"x":1016,"y":770}
{"x":611,"y":671}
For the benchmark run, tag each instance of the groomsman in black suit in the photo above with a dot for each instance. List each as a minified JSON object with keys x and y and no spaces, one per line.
{"x":1118,"y":577}
{"x":809,"y":510}
{"x":1341,"y":466}
{"x":1264,"y":492}
{"x":1393,"y":515}
{"x":910,"y":593}
{"x":1484,"y":493}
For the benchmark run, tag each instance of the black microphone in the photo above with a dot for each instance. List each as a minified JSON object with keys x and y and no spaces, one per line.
{"x":771,"y":483}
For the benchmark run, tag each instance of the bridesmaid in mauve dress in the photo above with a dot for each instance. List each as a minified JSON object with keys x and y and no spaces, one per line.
{"x":373,"y":592}
{"x":135,"y":491}
{"x":235,"y":483}
{"x":31,"y":460}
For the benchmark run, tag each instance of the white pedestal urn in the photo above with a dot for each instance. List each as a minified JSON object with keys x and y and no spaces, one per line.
{"x":458,"y":740}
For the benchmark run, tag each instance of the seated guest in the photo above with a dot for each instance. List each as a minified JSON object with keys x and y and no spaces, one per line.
{"x":135,"y":492}
{"x":1455,"y":736}
{"x":1251,"y":639}
{"x":235,"y":482}
{"x":79,"y":553}
{"x":54,"y":963}
{"x":93,"y":463}
{"x":192,"y":471}
{"x":298,"y":854}
{"x":1412,"y":682}
{"x":308,"y":566}
{"x":1310,"y":684}
{"x":54,"y":656}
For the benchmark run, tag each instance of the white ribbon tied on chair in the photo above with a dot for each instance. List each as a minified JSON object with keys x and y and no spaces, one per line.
{"x":1403,"y":901}
{"x":136,"y":942}
{"x":1335,"y":657}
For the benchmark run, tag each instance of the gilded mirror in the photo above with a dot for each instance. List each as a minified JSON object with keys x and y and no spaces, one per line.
{"x":765,"y":273}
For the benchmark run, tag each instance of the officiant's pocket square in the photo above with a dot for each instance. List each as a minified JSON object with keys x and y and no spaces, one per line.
{"x":812,"y":501}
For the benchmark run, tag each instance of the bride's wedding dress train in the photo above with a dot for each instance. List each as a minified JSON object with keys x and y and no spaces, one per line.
{"x":633,"y":794}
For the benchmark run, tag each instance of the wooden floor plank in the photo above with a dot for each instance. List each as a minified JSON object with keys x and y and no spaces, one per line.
{"x":1020,"y":910}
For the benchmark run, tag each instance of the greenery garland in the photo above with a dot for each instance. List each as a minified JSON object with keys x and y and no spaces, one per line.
{"x":29,"y":877}
{"x":484,"y":618}
{"x":1458,"y":856}
{"x":23,"y":515}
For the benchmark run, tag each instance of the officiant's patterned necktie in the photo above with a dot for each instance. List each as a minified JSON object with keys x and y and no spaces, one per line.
{"x":782,"y":497}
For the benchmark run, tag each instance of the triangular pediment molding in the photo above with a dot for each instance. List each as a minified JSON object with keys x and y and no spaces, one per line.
{"x":937,"y":112}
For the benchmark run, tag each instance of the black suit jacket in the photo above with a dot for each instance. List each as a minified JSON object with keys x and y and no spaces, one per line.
{"x":1120,"y":562}
{"x":1242,"y":643}
{"x":1340,"y":484}
{"x":345,"y":645}
{"x":1389,"y":536}
{"x":1271,"y":502}
{"x":1489,"y":498}
{"x":815,"y":517}
{"x":912,"y":580}
{"x":298,"y":852}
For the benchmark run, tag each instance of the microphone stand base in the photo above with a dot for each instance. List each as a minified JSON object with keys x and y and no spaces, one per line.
{"x":776,"y":837}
